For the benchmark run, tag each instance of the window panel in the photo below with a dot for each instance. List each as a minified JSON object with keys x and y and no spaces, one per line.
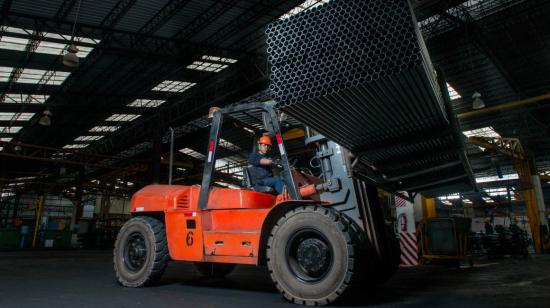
{"x":104,"y":129}
{"x":173,"y":86}
{"x":146,"y":103}
{"x":119,"y":117}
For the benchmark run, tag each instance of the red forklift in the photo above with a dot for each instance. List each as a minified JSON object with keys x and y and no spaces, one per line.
{"x":322,"y":237}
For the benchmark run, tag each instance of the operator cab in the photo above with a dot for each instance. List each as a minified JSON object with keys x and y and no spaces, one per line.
{"x":255,"y":187}
{"x":233,"y":130}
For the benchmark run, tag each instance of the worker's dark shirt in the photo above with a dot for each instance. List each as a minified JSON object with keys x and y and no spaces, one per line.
{"x":257,"y":171}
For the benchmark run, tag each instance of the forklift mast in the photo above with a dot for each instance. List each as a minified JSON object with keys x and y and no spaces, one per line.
{"x":359,"y":201}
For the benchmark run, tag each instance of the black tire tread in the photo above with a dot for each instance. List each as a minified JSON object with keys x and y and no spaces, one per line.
{"x":352,"y":238}
{"x":161,"y":254}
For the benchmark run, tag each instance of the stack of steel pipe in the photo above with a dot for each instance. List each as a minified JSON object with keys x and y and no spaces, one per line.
{"x":359,"y":72}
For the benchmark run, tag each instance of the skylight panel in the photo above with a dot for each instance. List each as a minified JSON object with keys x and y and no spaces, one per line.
{"x":453,"y":94}
{"x":219,"y":59}
{"x":60,"y":155}
{"x":83,"y":51}
{"x":505,"y":177}
{"x":120,"y":117}
{"x":6,"y":116}
{"x":499,"y":191}
{"x":51,"y":48}
{"x":482,"y":132}
{"x":173,"y":86}
{"x":102,"y":129}
{"x":54,"y":48}
{"x":449,"y":197}
{"x":30,"y":75}
{"x":229,"y":166}
{"x":211,"y":64}
{"x":193,"y":153}
{"x":88,"y":138}
{"x":54,"y":36}
{"x":57,"y":77}
{"x":15,"y":30}
{"x":45,"y":46}
{"x":6,"y":139}
{"x":10,"y":129}
{"x":146,"y":103}
{"x":16,"y":116}
{"x":34,"y":76}
{"x":5,"y":73}
{"x":231,"y":186}
{"x":228,"y":145}
{"x":76,"y":146}
{"x":13,"y":43}
{"x":88,"y":40}
{"x":207,"y":66}
{"x":16,"y":98}
{"x":306,"y":5}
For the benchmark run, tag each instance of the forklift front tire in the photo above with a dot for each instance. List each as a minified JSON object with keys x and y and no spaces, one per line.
{"x":311,"y":255}
{"x":141,"y":252}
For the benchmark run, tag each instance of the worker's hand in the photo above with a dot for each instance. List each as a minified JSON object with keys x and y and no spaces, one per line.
{"x":277,"y":163}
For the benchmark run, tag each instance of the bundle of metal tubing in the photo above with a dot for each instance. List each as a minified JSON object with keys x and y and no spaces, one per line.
{"x":359,"y":72}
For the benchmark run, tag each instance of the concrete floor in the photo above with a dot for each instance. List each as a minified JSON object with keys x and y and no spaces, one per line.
{"x":85,"y":279}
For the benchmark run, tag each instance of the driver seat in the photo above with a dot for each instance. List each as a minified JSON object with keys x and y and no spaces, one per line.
{"x":258,"y":188}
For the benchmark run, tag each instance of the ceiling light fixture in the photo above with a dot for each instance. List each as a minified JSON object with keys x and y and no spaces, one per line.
{"x":17,"y":148}
{"x":46,"y":119}
{"x":478,"y":103}
{"x":70,"y":58}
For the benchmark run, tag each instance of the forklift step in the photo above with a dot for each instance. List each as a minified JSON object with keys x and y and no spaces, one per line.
{"x":242,"y":243}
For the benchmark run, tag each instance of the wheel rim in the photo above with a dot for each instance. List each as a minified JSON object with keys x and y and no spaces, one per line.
{"x":309,"y":255}
{"x":135,"y":252}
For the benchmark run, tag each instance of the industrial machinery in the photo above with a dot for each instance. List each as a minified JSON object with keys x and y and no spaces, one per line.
{"x":529,"y":185}
{"x":445,"y":240}
{"x":319,"y":238}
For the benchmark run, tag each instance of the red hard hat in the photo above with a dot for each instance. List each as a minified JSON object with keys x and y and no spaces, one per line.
{"x":264,"y":140}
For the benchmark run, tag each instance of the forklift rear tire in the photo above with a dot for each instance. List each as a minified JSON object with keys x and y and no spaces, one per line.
{"x":311,"y":255}
{"x":141,"y":252}
{"x":214,"y":270}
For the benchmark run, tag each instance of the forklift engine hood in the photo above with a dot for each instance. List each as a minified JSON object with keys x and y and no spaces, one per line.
{"x":159,"y":198}
{"x":170,"y":198}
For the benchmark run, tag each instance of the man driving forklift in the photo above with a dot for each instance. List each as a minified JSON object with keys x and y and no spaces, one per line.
{"x":259,"y":166}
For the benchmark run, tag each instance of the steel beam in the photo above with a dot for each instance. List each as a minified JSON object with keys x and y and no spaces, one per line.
{"x":424,"y":171}
{"x":425,"y":186}
{"x":543,"y":100}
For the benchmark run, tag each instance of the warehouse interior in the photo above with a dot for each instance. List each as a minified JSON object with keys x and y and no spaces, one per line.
{"x":99,"y":99}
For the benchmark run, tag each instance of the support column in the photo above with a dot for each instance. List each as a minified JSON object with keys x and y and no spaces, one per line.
{"x":156,"y":156}
{"x":16,"y":207}
{"x":38,"y":215}
{"x":535,"y":179}
{"x":406,"y":228}
{"x":78,"y":206}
